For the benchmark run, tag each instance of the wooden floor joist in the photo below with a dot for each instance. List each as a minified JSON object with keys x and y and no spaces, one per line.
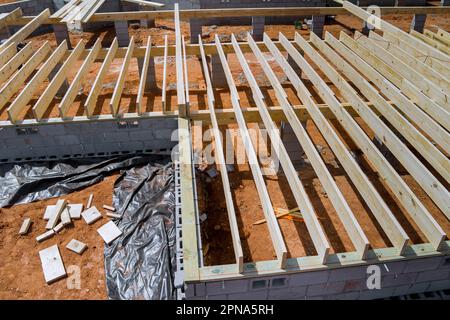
{"x":393,"y":85}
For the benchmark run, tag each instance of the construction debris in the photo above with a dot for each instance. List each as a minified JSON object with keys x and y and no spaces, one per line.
{"x":59,"y":227}
{"x":65,"y":217}
{"x":293,"y":214}
{"x":76,"y":246}
{"x":45,"y":236}
{"x":109,"y":232}
{"x":91,"y":215}
{"x":112,"y":209}
{"x":89,"y":203}
{"x":25,"y":226}
{"x":113,"y":215}
{"x":52,"y":264}
{"x":75,"y":210}
{"x":53,"y":220}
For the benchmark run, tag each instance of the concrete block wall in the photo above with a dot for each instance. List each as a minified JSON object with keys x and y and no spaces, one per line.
{"x":345,"y":283}
{"x":85,"y":139}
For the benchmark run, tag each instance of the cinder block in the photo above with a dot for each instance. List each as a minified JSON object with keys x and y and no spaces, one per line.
{"x":253,"y":295}
{"x":217,"y":297}
{"x":308,"y":278}
{"x":61,"y":34}
{"x":396,"y":280}
{"x":123,"y":37}
{"x":349,"y":273}
{"x":325,"y":289}
{"x":141,"y":135}
{"x":409,"y":289}
{"x":355,"y":285}
{"x":66,"y":140}
{"x":115,"y":136}
{"x":200,"y":289}
{"x":344,"y":296}
{"x":439,"y":285}
{"x":288,"y":293}
{"x":377,"y":293}
{"x":195,"y":28}
{"x":439,"y":274}
{"x":317,"y":25}
{"x":258,"y":28}
{"x":418,"y":22}
{"x":151,"y":76}
{"x":226,"y":287}
{"x":423,"y":264}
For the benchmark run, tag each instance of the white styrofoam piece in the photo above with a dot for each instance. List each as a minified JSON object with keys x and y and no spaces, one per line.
{"x":25,"y":226}
{"x":76,"y":246}
{"x":65,"y":217}
{"x":54,"y":218}
{"x":91,"y":215}
{"x":52,"y":264}
{"x":109,"y":232}
{"x":75,"y":210}
{"x":58,"y":227}
{"x":50,"y":233}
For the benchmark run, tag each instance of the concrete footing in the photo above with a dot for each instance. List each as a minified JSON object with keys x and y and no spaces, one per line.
{"x":195,"y":28}
{"x":123,"y":37}
{"x":62,"y":33}
{"x":150,"y":23}
{"x":291,"y":143}
{"x":418,"y":22}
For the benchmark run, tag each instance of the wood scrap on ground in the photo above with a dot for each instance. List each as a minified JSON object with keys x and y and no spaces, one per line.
{"x":293,"y":214}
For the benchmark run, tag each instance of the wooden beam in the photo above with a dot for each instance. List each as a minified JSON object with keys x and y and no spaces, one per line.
{"x":91,"y":101}
{"x":188,"y":211}
{"x":186,"y":77}
{"x":394,"y":181}
{"x":181,"y":96}
{"x":117,"y":94}
{"x":269,"y":214}
{"x":53,"y":87}
{"x":143,"y":81}
{"x":438,"y":65}
{"x":344,"y":212}
{"x":436,"y":132}
{"x":14,"y":84}
{"x":30,"y":89}
{"x":65,"y":9}
{"x":147,"y":3}
{"x":7,"y":54}
{"x":374,"y":201}
{"x":438,"y":37}
{"x":28,"y":29}
{"x":444,"y":36}
{"x":220,"y":162}
{"x":94,"y":9}
{"x":15,"y":62}
{"x":431,"y":42}
{"x":405,"y":71}
{"x":164,"y":83}
{"x":407,"y":130}
{"x":77,"y":82}
{"x":10,"y":17}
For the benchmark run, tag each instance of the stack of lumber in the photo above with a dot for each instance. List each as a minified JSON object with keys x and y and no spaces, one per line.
{"x":78,"y":10}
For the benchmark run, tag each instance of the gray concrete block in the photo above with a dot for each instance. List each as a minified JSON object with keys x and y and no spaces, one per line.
{"x":123,"y":37}
{"x":258,"y":28}
{"x":217,"y":297}
{"x":439,"y":285}
{"x":439,"y":274}
{"x":151,"y":74}
{"x":376,"y":293}
{"x":200,"y":289}
{"x":344,"y":296}
{"x":253,"y":295}
{"x":141,"y":135}
{"x":423,"y":264}
{"x":349,"y":273}
{"x":195,"y":29}
{"x":115,"y":136}
{"x":61,"y":34}
{"x":290,"y":293}
{"x":317,"y":25}
{"x":308,"y":278}
{"x":163,"y":133}
{"x":395,"y":280}
{"x":66,"y":140}
{"x":409,"y":289}
{"x":226,"y":287}
{"x":393,"y":267}
{"x":355,"y":285}
{"x":418,"y":22}
{"x":325,"y":289}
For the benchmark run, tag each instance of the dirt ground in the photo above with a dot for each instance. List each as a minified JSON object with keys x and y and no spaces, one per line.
{"x":26,"y":282}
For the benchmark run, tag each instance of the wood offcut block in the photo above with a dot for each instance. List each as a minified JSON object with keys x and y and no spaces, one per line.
{"x":109,"y":232}
{"x":54,"y":218}
{"x":25,"y":226}
{"x":91,"y":215}
{"x":76,"y":246}
{"x":109,"y":208}
{"x":45,"y":236}
{"x":52,"y":264}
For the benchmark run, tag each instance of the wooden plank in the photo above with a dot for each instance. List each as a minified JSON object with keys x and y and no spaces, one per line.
{"x":94,"y":10}
{"x":147,"y":3}
{"x":91,"y":101}
{"x":7,"y":54}
{"x":164,"y":84}
{"x":431,"y":42}
{"x":13,"y":64}
{"x":344,"y":212}
{"x":49,"y":93}
{"x":389,"y":175}
{"x":188,"y":211}
{"x":143,"y":81}
{"x":403,"y":70}
{"x":407,"y":130}
{"x":27,"y":93}
{"x":117,"y":94}
{"x":186,"y":77}
{"x":52,"y":264}
{"x":425,"y":122}
{"x":181,"y":96}
{"x":220,"y":162}
{"x":443,"y":35}
{"x":437,"y":37}
{"x":433,"y":75}
{"x":76,"y":11}
{"x":28,"y":29}
{"x":10,"y":17}
{"x":387,"y":27}
{"x":65,"y":9}
{"x":269,"y":214}
{"x":77,"y":82}
{"x":14,"y":84}
{"x":374,"y":201}
{"x":436,"y":64}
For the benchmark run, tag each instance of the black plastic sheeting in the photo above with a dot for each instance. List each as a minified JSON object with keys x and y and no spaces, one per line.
{"x":141,"y":263}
